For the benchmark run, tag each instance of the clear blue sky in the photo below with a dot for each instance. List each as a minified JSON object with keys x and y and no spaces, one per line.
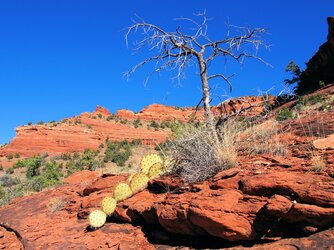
{"x":59,"y":58}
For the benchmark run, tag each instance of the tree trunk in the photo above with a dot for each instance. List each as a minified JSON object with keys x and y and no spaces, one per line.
{"x":206,"y":99}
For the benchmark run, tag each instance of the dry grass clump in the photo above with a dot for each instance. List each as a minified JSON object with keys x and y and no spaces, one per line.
{"x":264,"y":139}
{"x":198,"y":156}
{"x":318,"y":164}
{"x":55,"y":204}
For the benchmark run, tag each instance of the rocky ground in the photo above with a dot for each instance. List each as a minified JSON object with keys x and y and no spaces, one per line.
{"x":267,"y":202}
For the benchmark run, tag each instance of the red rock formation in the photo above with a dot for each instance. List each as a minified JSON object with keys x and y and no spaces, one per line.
{"x":159,"y":113}
{"x":39,"y":139}
{"x":267,"y":201}
{"x":320,"y":66}
{"x":274,"y":205}
{"x":89,"y":130}
{"x":250,"y":105}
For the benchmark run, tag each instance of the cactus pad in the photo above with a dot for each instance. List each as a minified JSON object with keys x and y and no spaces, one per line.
{"x":130,"y":177}
{"x":156,"y":170}
{"x":122,"y":191}
{"x":148,"y":160}
{"x":97,"y":218}
{"x":138,"y":182}
{"x":108,"y":205}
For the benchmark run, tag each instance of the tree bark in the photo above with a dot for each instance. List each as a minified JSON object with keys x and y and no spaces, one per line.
{"x":206,"y":98}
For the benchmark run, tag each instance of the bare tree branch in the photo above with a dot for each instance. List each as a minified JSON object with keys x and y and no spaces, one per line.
{"x":178,"y":50}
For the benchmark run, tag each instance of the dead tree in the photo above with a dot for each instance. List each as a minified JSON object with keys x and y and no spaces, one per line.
{"x":177,"y":50}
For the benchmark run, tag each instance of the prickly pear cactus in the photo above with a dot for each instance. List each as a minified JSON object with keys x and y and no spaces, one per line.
{"x":148,"y":160}
{"x":130,"y":177}
{"x":108,"y":205}
{"x":122,"y":191}
{"x":97,"y":218}
{"x":138,"y":182}
{"x":156,"y":170}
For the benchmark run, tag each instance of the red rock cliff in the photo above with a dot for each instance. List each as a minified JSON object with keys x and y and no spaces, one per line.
{"x":89,"y":130}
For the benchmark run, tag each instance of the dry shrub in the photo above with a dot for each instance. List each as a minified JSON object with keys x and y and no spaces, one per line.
{"x":55,"y":204}
{"x":198,"y":156}
{"x":313,"y":128}
{"x":264,"y":139}
{"x":318,"y":164}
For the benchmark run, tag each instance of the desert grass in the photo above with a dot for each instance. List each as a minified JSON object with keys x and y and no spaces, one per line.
{"x":198,"y":156}
{"x":264,"y":138}
{"x":55,"y":204}
{"x":313,"y":129}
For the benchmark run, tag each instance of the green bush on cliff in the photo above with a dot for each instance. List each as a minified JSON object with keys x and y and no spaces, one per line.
{"x":117,"y":152}
{"x":10,"y":156}
{"x":136,"y":123}
{"x":2,"y":193}
{"x":73,"y":166}
{"x":33,"y":165}
{"x":8,"y":181}
{"x":284,"y":114}
{"x":10,"y":170}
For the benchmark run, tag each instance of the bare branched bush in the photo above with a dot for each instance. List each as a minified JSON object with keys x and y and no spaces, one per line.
{"x":198,"y":156}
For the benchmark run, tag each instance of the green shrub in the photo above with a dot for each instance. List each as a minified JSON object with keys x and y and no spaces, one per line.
{"x":37,"y":183}
{"x":120,"y":157}
{"x":110,"y":117}
{"x":313,"y":99}
{"x":95,"y":164}
{"x":73,"y":166}
{"x":65,"y":156}
{"x":165,"y":124}
{"x":33,"y":165}
{"x":154,"y":125}
{"x":1,"y":167}
{"x":284,"y":114}
{"x":76,"y":155}
{"x":40,"y":123}
{"x":101,"y":146}
{"x":77,"y":121}
{"x":117,"y":152}
{"x":175,"y":126}
{"x":17,"y":155}
{"x":8,"y":181}
{"x":10,"y":170}
{"x":52,"y":173}
{"x":136,"y":142}
{"x":99,"y":115}
{"x":10,"y":156}
{"x":2,"y":193}
{"x":29,"y":123}
{"x":89,"y":154}
{"x":300,"y":104}
{"x":136,"y":123}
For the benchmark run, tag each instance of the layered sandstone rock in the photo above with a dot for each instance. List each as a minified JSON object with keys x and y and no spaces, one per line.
{"x":89,"y":130}
{"x":158,"y":112}
{"x":235,"y":206}
{"x":268,"y":202}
